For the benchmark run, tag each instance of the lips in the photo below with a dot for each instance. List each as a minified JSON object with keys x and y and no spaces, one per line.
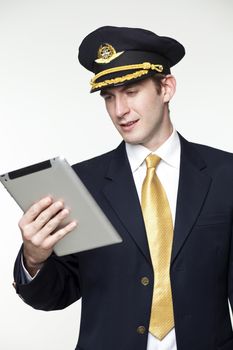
{"x":129,"y":124}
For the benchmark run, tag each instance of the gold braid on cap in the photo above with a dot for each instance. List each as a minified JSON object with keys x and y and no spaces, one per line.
{"x":144,"y":68}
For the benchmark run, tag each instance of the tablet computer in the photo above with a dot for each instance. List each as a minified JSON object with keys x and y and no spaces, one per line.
{"x":55,"y":177}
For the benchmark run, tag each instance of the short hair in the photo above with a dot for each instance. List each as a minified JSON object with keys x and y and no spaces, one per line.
{"x":158,"y":80}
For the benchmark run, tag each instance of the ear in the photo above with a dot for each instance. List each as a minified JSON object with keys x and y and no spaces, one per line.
{"x":169,"y":87}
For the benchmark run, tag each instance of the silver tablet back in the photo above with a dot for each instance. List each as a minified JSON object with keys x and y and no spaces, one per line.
{"x":55,"y":177}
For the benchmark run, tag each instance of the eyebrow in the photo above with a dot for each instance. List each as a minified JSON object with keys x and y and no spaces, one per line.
{"x":104,"y":92}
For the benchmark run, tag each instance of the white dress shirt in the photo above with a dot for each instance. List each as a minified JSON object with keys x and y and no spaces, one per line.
{"x":168,"y":173}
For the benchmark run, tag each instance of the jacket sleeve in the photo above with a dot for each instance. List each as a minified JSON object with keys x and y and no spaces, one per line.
{"x":56,"y":285}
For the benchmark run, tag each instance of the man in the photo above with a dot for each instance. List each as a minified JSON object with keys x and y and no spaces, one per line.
{"x":166,"y":286}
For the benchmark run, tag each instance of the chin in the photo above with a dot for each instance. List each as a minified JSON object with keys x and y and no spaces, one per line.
{"x":133,"y":139}
{"x":132,"y":142}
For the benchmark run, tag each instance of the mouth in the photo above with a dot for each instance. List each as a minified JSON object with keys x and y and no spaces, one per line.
{"x":128,"y":125}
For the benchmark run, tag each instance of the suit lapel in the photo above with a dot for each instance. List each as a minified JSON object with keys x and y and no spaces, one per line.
{"x":194,"y":184}
{"x":121,"y":194}
{"x":120,"y":191}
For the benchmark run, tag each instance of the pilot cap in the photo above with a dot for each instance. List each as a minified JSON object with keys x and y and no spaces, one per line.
{"x":120,"y":55}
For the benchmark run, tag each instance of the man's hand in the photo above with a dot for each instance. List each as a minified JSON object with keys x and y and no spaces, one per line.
{"x":37,"y":226}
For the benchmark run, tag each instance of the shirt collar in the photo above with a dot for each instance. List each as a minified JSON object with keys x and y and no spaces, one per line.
{"x":169,"y":152}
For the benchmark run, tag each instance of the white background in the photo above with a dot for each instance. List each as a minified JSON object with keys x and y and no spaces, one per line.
{"x":46,"y":110}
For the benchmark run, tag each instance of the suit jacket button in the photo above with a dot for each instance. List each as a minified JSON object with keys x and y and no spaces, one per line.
{"x":145,"y":281}
{"x":141,"y":330}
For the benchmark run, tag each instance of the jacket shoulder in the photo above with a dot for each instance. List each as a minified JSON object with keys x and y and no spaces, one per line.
{"x":93,"y":171}
{"x":95,"y":163}
{"x":211,"y":153}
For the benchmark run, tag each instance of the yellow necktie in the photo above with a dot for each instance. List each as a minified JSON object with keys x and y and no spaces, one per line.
{"x":159,"y":228}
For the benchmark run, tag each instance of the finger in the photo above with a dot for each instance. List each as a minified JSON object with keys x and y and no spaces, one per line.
{"x":50,"y":227}
{"x":34,"y":227}
{"x":51,"y":240}
{"x":45,"y":216}
{"x":35,"y":210}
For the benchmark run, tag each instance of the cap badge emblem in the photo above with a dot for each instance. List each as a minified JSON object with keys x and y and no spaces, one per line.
{"x":106,"y":54}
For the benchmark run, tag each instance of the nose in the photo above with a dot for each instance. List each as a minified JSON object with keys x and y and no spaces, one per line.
{"x":121,"y":106}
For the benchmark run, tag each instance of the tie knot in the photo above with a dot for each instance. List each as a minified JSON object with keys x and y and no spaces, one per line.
{"x":152,"y":161}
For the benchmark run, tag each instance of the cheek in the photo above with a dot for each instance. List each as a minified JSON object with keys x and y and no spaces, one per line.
{"x":107,"y":107}
{"x":113,"y":118}
{"x":109,"y":110}
{"x":155,"y":109}
{"x":146,"y":105}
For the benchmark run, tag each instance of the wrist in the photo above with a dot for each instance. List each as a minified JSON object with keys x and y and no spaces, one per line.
{"x":31,"y":266}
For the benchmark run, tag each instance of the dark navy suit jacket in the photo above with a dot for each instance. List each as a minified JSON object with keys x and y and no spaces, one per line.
{"x":115,"y":302}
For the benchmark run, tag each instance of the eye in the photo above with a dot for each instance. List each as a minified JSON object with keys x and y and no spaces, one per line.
{"x":131,"y":92}
{"x":107,"y":97}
